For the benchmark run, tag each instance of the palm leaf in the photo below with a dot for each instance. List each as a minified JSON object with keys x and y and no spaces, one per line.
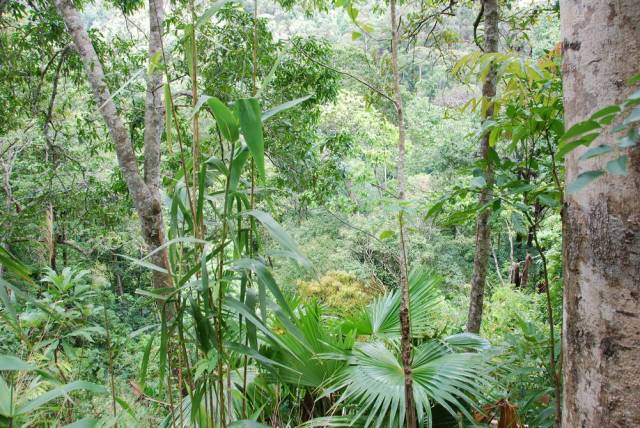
{"x":381,"y":318}
{"x":373,"y":383}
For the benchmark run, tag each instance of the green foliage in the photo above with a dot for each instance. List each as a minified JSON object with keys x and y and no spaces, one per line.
{"x":340,"y":291}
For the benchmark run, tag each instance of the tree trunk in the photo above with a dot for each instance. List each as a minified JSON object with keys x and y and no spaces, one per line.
{"x":405,"y":322}
{"x":601,"y":230}
{"x":483,"y":231}
{"x":145,"y":192}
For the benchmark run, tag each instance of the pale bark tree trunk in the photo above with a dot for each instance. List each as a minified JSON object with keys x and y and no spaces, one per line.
{"x":483,"y":230}
{"x":405,"y":322}
{"x":50,"y":157}
{"x":145,"y":192}
{"x":601,"y":230}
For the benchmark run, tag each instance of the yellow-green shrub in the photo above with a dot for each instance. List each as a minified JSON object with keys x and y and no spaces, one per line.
{"x":340,"y":291}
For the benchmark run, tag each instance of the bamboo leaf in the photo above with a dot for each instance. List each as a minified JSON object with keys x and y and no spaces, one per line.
{"x":251,"y":126}
{"x":226,"y":120}
{"x":210,"y":11}
{"x":14,"y":265}
{"x":284,"y":106}
{"x":144,"y":264}
{"x":83,"y":423}
{"x":279,"y":234}
{"x":145,"y":363}
{"x":12,"y":363}
{"x":164,"y":338}
{"x":237,"y":164}
{"x":168,"y":116}
{"x":59,"y":392}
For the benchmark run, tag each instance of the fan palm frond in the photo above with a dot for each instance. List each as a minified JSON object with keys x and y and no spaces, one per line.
{"x":373,"y":383}
{"x":381,"y":318}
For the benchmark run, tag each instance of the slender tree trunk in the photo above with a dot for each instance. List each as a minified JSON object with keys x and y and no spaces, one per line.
{"x":601,"y":226}
{"x":405,"y":322}
{"x":483,"y":230}
{"x":145,"y":191}
{"x":50,"y":236}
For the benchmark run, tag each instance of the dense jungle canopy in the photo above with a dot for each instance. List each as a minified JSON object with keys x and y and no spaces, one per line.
{"x":347,"y":213}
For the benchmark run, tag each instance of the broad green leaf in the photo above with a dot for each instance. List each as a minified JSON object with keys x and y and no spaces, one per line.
{"x":629,"y":140}
{"x":595,"y":151}
{"x":493,"y":156}
{"x":251,"y":300}
{"x":436,"y":208}
{"x":265,"y":280}
{"x":269,"y":78}
{"x":634,"y":79}
{"x":6,"y":404}
{"x":237,"y":164}
{"x":353,"y":12}
{"x":582,"y":180}
{"x":226,"y":120}
{"x":153,"y":295}
{"x":279,"y":234}
{"x":284,"y":106}
{"x":83,"y":423}
{"x":178,"y":240}
{"x":202,"y":188}
{"x":168,"y":115}
{"x":355,"y":35}
{"x":368,"y":28}
{"x":247,"y":423}
{"x":466,"y":341}
{"x":566,"y":147}
{"x":580,"y":128}
{"x":386,"y":234}
{"x":6,"y":301}
{"x":187,"y":44}
{"x":204,"y":331}
{"x":59,"y":392}
{"x":517,"y":221}
{"x":164,"y":338}
{"x":550,"y":199}
{"x":478,"y":182}
{"x":154,"y":62}
{"x":201,"y":102}
{"x":633,"y":117}
{"x":14,"y":265}
{"x":242,"y":349}
{"x":251,"y":126}
{"x":493,"y":136}
{"x":242,"y":309}
{"x":210,"y":11}
{"x":142,"y":378}
{"x":607,"y":111}
{"x":144,"y":264}
{"x":618,"y":166}
{"x":12,"y":363}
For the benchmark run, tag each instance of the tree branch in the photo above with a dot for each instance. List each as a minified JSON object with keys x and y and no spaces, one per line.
{"x":95,"y":74}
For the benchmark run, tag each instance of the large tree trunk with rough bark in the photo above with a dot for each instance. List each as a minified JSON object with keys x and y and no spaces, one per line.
{"x":145,"y":191}
{"x":601,"y":332}
{"x":483,"y":230}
